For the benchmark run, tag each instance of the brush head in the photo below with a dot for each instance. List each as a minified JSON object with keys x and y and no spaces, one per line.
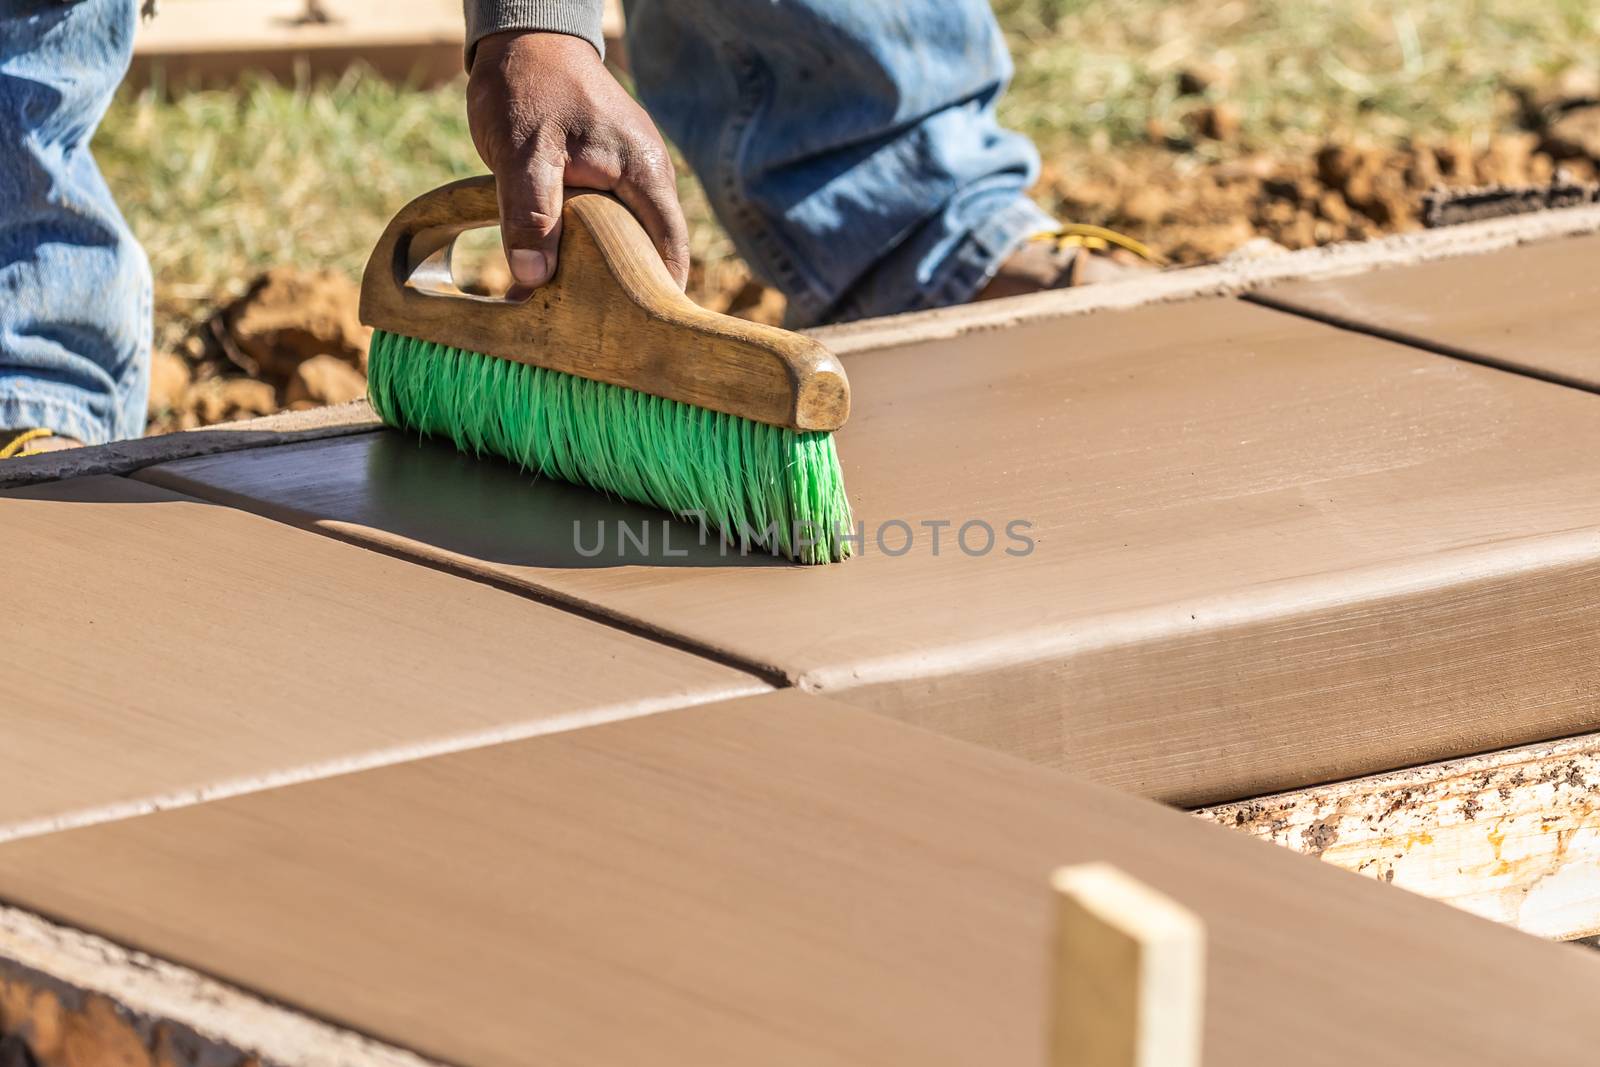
{"x":759,"y":486}
{"x":608,"y":376}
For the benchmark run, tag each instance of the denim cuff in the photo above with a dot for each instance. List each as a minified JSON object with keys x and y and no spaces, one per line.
{"x":1007,"y":219}
{"x":578,"y":18}
{"x":22,"y":409}
{"x":984,"y":251}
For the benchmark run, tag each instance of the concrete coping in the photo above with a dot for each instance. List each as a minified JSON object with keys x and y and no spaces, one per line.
{"x":1233,"y":276}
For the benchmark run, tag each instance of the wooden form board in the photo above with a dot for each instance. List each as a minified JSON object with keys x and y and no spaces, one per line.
{"x":160,"y":649}
{"x":1512,"y":836}
{"x":1534,"y":309}
{"x":220,"y":40}
{"x":1265,"y":552}
{"x":781,"y":881}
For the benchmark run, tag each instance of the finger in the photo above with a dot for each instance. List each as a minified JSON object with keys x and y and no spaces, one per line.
{"x":530,"y":219}
{"x":650,"y":189}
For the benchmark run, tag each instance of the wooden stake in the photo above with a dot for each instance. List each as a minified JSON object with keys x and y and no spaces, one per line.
{"x":1129,"y":973}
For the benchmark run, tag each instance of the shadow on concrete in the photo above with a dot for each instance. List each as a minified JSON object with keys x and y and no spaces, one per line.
{"x":485,"y":508}
{"x":424,"y":499}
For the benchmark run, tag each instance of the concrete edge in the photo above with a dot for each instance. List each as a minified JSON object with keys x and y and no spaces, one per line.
{"x":87,"y":992}
{"x":1228,"y":278}
{"x":124,"y":457}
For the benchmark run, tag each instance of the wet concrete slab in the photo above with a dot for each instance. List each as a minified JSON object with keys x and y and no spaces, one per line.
{"x":1233,"y":551}
{"x":161,"y":649}
{"x":776,"y":880}
{"x":1533,"y":309}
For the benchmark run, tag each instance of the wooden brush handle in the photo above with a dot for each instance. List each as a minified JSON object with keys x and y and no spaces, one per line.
{"x":612,"y":313}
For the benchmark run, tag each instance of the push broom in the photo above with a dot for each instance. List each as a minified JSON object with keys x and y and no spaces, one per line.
{"x":609,"y":377}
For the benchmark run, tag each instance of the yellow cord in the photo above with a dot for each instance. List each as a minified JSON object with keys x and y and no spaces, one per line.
{"x":12,"y":449}
{"x":1097,"y":239}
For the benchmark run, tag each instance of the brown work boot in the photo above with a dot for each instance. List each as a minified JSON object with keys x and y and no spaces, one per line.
{"x":16,"y":444}
{"x":1074,"y":255}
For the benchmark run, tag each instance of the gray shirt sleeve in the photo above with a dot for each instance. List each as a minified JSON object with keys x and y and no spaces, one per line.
{"x":580,"y":18}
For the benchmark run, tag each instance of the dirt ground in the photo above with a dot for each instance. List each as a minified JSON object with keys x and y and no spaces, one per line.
{"x":293,"y":340}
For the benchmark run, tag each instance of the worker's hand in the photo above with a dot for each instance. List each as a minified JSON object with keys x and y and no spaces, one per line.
{"x":544,"y":113}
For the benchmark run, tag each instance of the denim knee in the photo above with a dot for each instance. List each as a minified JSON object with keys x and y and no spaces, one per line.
{"x":75,"y":288}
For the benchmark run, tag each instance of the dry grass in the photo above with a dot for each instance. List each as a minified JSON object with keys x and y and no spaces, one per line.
{"x":220,"y":185}
{"x":1103,"y":73}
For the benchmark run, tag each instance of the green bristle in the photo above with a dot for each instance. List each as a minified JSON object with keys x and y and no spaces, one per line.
{"x":759,"y":486}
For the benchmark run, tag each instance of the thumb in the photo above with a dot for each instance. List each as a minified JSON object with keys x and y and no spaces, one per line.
{"x":530,"y":220}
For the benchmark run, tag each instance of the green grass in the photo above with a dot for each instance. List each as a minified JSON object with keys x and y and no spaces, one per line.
{"x":221,"y":184}
{"x":1100,"y":72}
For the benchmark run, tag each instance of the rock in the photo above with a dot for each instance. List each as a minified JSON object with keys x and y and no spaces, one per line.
{"x":1207,"y":243}
{"x":1298,"y":232}
{"x":226,"y":399}
{"x":1220,"y":122}
{"x":1583,"y":171}
{"x":1575,"y":135}
{"x":1331,"y":206}
{"x":1455,"y":163}
{"x":1578,"y":84}
{"x":756,"y":302}
{"x":1278,"y":213}
{"x":490,"y":276}
{"x":1335,"y":164}
{"x":1146,"y":206}
{"x":1255,"y":248}
{"x":1422,"y":170}
{"x":1388,"y":202}
{"x":1506,"y":161}
{"x":169,"y":382}
{"x":289,"y":315}
{"x":1543,"y":98}
{"x":1350,"y":170}
{"x":1198,"y":78}
{"x":324,"y":380}
{"x":1251,"y":168}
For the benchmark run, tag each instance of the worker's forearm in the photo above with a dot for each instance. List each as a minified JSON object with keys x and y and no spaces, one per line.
{"x":579,"y":18}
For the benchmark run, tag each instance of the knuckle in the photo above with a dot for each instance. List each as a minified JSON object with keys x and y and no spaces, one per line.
{"x":600,"y":160}
{"x":530,"y":214}
{"x":650,"y":160}
{"x":540,"y":133}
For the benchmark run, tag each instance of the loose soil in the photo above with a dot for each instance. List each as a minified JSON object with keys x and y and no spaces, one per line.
{"x":293,"y":341}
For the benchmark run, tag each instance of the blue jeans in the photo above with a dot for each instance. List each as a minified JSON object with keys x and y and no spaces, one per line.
{"x":850,"y":147}
{"x":74,"y":285}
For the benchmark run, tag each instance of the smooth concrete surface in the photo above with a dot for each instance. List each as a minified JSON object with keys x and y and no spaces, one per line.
{"x":1253,"y":552}
{"x":1229,"y":277}
{"x":774,"y":881}
{"x":159,"y":650}
{"x":1534,"y":309}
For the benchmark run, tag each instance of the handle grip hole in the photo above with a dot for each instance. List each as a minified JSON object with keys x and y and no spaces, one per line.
{"x":462,"y":262}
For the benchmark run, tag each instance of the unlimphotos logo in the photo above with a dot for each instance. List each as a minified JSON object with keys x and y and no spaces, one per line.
{"x":672,"y":539}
